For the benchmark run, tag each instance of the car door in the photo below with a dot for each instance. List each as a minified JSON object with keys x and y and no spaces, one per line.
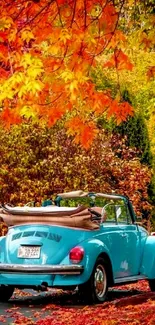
{"x":115,"y":239}
{"x":132,"y":242}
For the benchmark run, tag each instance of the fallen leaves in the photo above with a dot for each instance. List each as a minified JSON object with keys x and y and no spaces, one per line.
{"x":131,"y":309}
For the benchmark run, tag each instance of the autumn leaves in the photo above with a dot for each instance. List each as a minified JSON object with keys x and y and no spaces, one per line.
{"x":50,"y":49}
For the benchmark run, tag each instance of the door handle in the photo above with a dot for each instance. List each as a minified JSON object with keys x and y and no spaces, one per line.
{"x":124,"y":235}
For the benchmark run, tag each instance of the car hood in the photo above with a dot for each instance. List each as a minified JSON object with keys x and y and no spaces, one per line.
{"x":55,"y":243}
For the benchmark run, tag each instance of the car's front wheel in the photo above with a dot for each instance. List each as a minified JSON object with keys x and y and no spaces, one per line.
{"x":95,"y":290}
{"x":5,"y":293}
{"x":152,"y":284}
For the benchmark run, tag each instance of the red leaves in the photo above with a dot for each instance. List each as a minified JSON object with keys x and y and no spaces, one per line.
{"x":2,"y":319}
{"x":151,"y":73}
{"x":135,"y":308}
{"x":3,"y":36}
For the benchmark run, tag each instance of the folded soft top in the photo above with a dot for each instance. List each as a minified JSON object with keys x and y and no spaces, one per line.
{"x":80,"y":217}
{"x":26,"y":210}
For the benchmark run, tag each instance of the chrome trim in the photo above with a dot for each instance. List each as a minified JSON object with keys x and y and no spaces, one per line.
{"x":44,"y":269}
{"x":130,"y":279}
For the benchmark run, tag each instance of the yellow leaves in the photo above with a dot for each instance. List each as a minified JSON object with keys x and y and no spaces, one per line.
{"x":35,"y":86}
{"x":73,"y":80}
{"x":28,"y":59}
{"x":95,"y":12}
{"x":27,"y":112}
{"x":67,"y":75}
{"x":6,"y":91}
{"x":78,"y":75}
{"x":27,"y":35}
{"x":65,"y":35}
{"x":33,"y":69}
{"x":30,"y":86}
{"x":17,"y":78}
{"x":73,"y":85}
{"x":53,"y":49}
{"x":34,"y":72}
{"x":23,"y":82}
{"x":81,"y":77}
{"x":12,"y":34}
{"x":5,"y":23}
{"x":5,"y":95}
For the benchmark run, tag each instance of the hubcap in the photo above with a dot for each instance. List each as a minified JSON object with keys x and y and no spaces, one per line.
{"x":100,"y":281}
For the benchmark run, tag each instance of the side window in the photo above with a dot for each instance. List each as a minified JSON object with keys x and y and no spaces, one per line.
{"x":110,"y":213}
{"x":122,"y":214}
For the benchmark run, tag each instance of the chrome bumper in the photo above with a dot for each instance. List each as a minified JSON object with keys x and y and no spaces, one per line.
{"x":44,"y":269}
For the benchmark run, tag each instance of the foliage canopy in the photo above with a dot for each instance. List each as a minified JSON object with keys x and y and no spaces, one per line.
{"x":37,"y":161}
{"x":47,"y":51}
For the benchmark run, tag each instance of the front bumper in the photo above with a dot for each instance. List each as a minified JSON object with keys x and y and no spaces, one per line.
{"x":43,"y":269}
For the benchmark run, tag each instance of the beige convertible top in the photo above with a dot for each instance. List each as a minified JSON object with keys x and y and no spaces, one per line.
{"x":78,"y":217}
{"x":80,"y":193}
{"x":73,"y":194}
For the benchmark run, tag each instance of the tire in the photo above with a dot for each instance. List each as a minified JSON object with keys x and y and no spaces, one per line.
{"x":5,"y":293}
{"x":152,"y":284}
{"x":96,"y":288}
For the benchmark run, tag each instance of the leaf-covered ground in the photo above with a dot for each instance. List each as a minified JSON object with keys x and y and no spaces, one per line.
{"x":130,"y":304}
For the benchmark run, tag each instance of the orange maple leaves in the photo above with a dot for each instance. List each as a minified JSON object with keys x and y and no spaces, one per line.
{"x":47,"y":50}
{"x":121,"y":110}
{"x":10,"y":116}
{"x":84,"y":132}
{"x":119,"y":60}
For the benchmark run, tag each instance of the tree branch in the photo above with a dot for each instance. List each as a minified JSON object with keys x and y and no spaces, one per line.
{"x":74,"y":10}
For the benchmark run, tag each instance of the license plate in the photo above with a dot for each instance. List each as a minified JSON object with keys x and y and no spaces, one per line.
{"x":29,"y":252}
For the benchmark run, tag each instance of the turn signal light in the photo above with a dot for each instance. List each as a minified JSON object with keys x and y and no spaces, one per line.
{"x":76,"y":254}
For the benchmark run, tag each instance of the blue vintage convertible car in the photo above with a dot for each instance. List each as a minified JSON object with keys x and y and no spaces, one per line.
{"x":91,"y":246}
